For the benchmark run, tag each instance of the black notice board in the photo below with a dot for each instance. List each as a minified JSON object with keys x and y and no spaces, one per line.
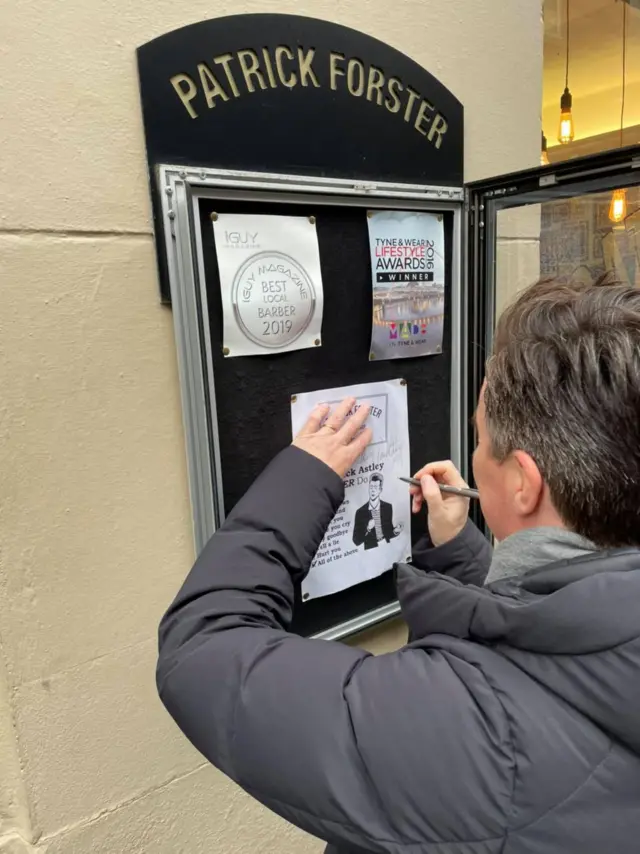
{"x":253,"y":392}
{"x":362,"y":110}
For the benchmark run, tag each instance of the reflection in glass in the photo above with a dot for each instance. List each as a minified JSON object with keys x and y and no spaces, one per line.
{"x":618,"y":207}
{"x":592,"y":234}
{"x":568,"y":238}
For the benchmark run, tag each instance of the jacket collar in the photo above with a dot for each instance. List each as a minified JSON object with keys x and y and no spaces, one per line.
{"x":571,"y":607}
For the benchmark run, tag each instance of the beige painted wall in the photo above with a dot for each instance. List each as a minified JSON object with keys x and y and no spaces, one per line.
{"x":94,"y":517}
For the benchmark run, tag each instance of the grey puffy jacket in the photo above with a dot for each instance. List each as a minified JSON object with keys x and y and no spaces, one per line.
{"x":510,"y":724}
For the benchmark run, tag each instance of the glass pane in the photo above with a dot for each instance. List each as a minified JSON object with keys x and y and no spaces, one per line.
{"x":577,"y":237}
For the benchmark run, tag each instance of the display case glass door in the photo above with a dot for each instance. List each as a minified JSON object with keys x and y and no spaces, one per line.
{"x":577,"y":219}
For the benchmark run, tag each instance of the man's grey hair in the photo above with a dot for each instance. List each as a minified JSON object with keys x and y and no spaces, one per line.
{"x":563,"y":384}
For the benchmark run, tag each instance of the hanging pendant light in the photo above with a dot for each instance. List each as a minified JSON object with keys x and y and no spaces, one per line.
{"x":618,"y":206}
{"x":544,"y":155}
{"x":566,"y":130}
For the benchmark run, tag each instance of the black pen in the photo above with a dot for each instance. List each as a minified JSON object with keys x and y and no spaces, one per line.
{"x":465,"y":491}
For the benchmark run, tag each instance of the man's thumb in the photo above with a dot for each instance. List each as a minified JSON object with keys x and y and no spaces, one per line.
{"x":431,"y":493}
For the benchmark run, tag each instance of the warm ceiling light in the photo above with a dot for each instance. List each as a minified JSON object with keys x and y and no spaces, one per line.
{"x":618,"y":206}
{"x":566,"y":130}
{"x":544,"y":156}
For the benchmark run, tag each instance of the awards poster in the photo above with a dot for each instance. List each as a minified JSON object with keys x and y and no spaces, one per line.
{"x":371,"y":529}
{"x":408,"y":275}
{"x":270,"y":281}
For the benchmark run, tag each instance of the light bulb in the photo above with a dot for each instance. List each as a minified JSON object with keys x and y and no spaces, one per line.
{"x":618,"y":206}
{"x":566,"y":130}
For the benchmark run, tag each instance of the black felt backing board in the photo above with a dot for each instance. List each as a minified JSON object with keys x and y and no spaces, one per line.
{"x":253,"y":393}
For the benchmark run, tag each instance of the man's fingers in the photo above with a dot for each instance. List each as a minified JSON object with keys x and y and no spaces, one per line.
{"x":359,"y":444}
{"x":416,"y":499}
{"x":314,"y":421}
{"x":336,"y":418}
{"x":430,"y":491}
{"x":354,"y":424}
{"x":443,"y":471}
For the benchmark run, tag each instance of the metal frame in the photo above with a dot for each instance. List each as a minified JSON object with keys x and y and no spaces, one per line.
{"x":595,"y":173}
{"x":181,"y":189}
{"x":580,"y":176}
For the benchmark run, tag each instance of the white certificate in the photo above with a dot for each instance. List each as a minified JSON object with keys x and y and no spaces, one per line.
{"x":371,"y":529}
{"x":270,"y":282}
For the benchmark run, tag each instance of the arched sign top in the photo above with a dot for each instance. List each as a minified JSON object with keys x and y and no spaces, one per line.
{"x":298,"y":96}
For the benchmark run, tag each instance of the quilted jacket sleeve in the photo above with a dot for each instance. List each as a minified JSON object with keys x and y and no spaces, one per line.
{"x":384,"y":754}
{"x":467,"y":557}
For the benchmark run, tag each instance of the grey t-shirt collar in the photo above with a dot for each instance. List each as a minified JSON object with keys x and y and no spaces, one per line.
{"x":535,"y":547}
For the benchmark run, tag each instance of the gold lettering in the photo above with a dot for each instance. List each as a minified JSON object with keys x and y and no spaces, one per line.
{"x":304,"y":62}
{"x":291,"y":80}
{"x":186,"y":95}
{"x":335,"y":71}
{"x":375,"y":84}
{"x":395,"y":86}
{"x":353,"y":89}
{"x":250,"y":67}
{"x":224,"y":60}
{"x":412,"y":97}
{"x":270,"y":74}
{"x":440,"y":126}
{"x":210,"y":86}
{"x":422,"y":115}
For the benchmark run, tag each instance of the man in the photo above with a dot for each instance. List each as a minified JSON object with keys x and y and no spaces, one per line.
{"x":373,"y":521}
{"x":510,"y":723}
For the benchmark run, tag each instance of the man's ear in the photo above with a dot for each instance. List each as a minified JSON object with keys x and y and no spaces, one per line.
{"x":528,"y":486}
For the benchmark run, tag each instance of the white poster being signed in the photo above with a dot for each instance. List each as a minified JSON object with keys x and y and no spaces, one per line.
{"x":371,"y":529}
{"x":270,"y":282}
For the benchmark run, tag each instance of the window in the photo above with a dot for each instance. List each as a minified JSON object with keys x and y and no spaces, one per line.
{"x":603,"y":58}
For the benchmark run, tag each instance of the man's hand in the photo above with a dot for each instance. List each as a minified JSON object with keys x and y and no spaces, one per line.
{"x":337,"y":441}
{"x":370,"y":525}
{"x":447,"y":514}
